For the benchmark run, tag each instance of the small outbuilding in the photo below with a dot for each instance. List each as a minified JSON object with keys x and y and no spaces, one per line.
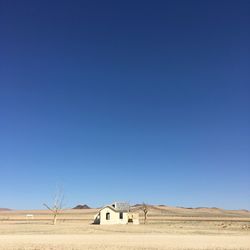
{"x":116,"y":213}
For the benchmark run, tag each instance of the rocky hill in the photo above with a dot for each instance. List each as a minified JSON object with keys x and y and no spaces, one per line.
{"x":81,"y":207}
{"x":4,"y":209}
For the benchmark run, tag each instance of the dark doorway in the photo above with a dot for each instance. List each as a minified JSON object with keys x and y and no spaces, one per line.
{"x":107,"y":216}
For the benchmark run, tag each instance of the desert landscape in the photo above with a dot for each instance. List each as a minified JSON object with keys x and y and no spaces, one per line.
{"x":166,"y":228}
{"x":124,"y":125}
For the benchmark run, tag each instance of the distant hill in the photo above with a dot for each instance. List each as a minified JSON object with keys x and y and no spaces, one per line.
{"x":81,"y":207}
{"x":5,"y":209}
{"x":137,"y":205}
{"x":189,"y":211}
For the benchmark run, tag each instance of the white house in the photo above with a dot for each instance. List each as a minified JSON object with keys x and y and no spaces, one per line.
{"x":116,"y":213}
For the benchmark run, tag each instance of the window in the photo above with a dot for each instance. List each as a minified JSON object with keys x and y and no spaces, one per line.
{"x":121,"y":216}
{"x":107,"y":216}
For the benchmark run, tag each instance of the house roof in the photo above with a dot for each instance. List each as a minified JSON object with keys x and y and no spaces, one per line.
{"x":108,"y":206}
{"x":118,"y":207}
{"x":121,"y":206}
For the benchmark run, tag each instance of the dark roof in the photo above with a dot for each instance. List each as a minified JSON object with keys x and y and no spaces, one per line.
{"x":119,"y":209}
{"x":121,"y":206}
{"x":81,"y":207}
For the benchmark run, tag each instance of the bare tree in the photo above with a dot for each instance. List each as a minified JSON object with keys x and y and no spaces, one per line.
{"x":145,"y":210}
{"x":57,"y":207}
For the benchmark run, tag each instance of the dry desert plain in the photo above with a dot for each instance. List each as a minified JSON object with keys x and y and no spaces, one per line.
{"x":167,"y":228}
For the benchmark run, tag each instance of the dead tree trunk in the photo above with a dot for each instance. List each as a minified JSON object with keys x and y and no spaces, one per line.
{"x":57,"y":207}
{"x":54,"y":219}
{"x":145,"y":210}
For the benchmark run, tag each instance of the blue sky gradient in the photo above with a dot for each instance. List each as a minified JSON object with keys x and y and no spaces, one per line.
{"x":125,"y":100}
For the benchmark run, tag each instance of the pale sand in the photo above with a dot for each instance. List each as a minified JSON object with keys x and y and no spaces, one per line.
{"x":124,"y":241}
{"x":167,"y":228}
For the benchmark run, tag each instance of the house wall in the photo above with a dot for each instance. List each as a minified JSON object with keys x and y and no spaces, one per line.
{"x":134,"y":217}
{"x":114,"y":217}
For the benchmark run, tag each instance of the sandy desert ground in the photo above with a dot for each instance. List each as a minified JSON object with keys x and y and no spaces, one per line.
{"x":167,"y":228}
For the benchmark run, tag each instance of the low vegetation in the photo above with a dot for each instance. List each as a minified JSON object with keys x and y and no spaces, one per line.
{"x":166,"y":228}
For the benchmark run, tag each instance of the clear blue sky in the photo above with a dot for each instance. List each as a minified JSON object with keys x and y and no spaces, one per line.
{"x":125,"y":100}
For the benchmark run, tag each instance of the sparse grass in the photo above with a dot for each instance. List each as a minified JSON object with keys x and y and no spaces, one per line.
{"x":163,"y":232}
{"x":126,"y":248}
{"x":121,"y":248}
{"x":124,"y":241}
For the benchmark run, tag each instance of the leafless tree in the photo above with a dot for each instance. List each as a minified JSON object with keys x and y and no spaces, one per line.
{"x":57,"y":207}
{"x":145,"y":210}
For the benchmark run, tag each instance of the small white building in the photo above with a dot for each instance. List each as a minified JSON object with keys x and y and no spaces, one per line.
{"x":116,"y":213}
